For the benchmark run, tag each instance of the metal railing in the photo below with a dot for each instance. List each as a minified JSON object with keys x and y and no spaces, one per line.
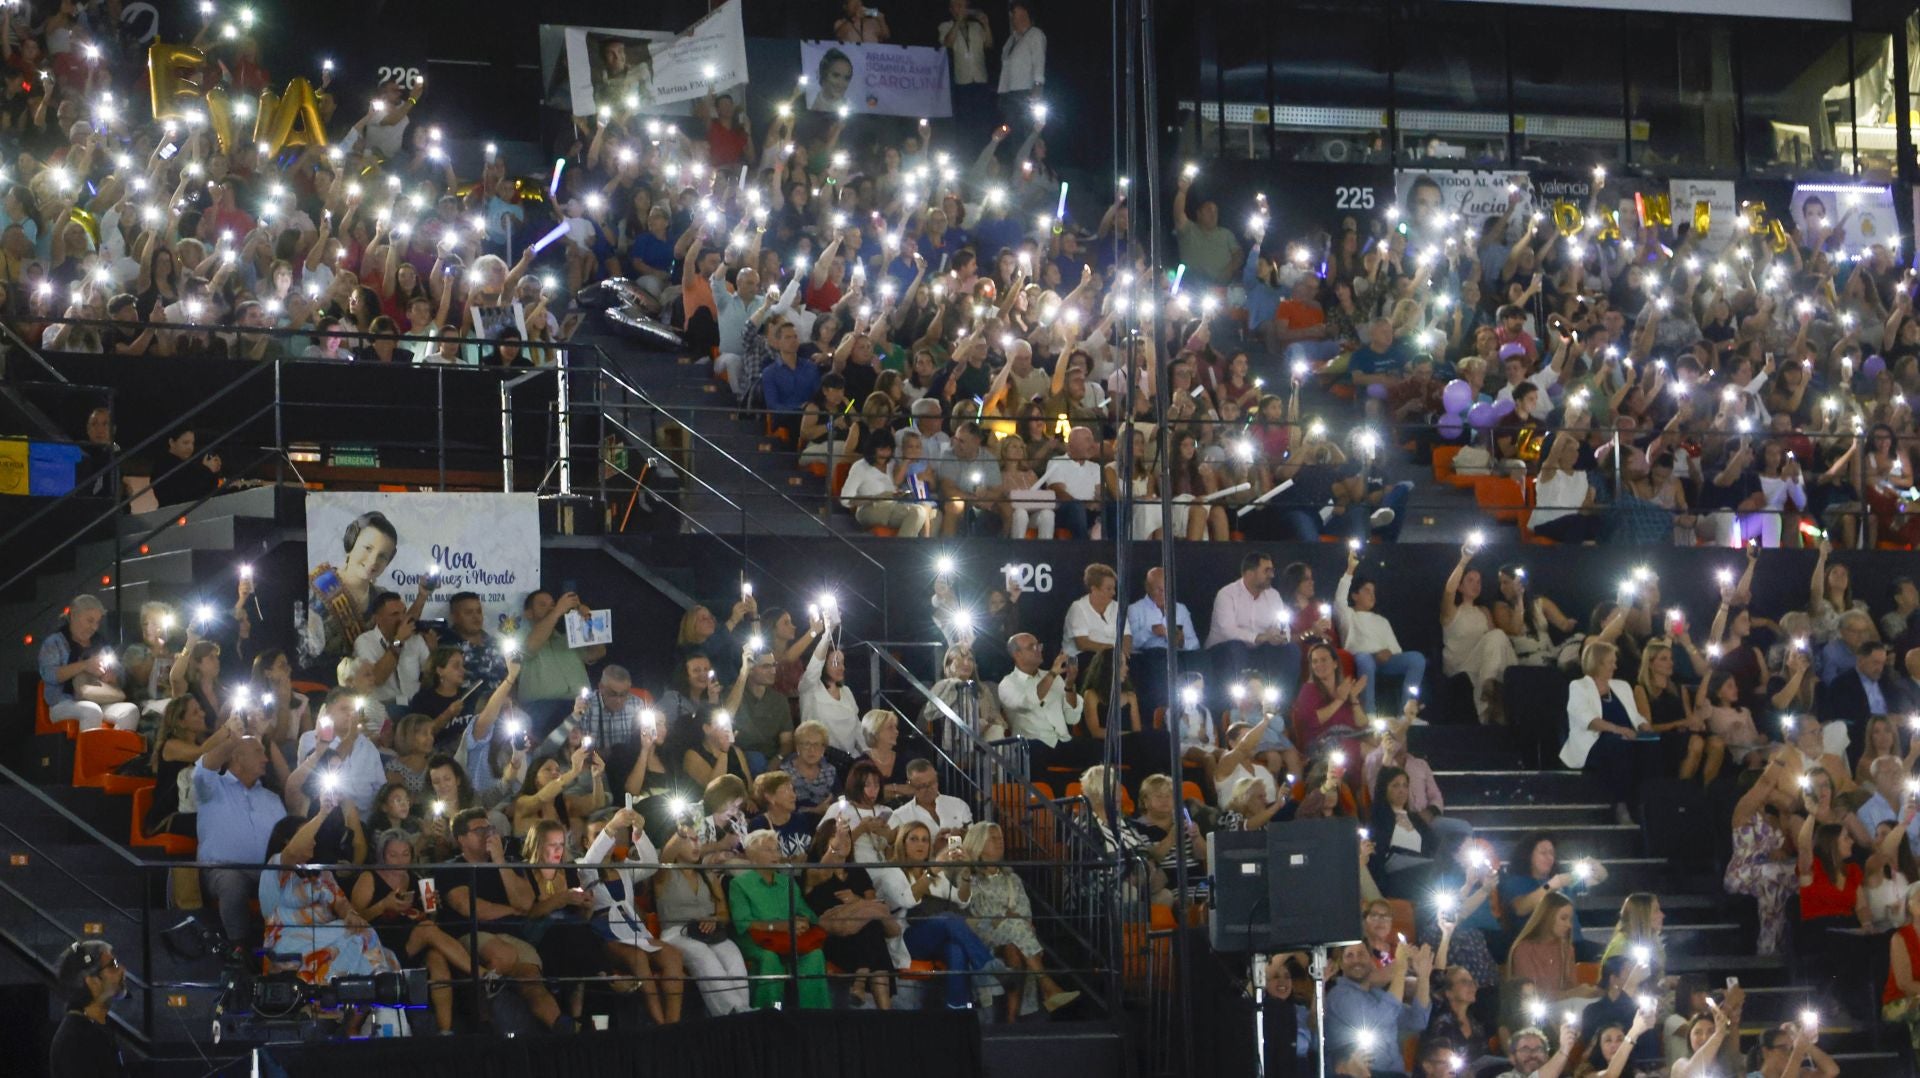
{"x":165,"y":983}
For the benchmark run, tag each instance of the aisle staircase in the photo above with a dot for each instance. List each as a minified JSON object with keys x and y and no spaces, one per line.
{"x":1492,"y":785}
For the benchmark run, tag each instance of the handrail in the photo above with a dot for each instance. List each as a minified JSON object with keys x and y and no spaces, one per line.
{"x":648,"y":400}
{"x":130,"y":454}
{"x":113,"y":512}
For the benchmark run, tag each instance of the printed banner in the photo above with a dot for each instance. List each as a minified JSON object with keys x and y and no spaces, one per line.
{"x":879,"y":80}
{"x":360,"y":544}
{"x":1429,"y":198}
{"x":1722,"y":208}
{"x":635,"y":70}
{"x":1855,"y":217}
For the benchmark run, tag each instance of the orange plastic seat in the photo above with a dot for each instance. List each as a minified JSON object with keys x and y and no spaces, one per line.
{"x":43,"y":716}
{"x":1500,"y":497}
{"x":97,"y":752}
{"x":1586,"y":972}
{"x":1190,"y":791}
{"x":1443,"y":466}
{"x":173,"y":845}
{"x":882,"y":531}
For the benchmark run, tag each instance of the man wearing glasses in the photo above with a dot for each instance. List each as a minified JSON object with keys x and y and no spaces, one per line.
{"x":489,"y":906}
{"x":91,"y":979}
{"x":1786,"y":1050}
{"x":762,"y":717}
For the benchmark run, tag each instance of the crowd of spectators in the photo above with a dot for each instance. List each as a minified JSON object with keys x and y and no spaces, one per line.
{"x":960,"y":350}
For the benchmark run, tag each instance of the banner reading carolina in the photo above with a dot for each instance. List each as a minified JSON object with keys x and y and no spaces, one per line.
{"x":635,"y":70}
{"x":880,"y":80}
{"x":362,"y":544}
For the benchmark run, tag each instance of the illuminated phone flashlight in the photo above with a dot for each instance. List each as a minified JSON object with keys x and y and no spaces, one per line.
{"x":1190,"y":696}
{"x":202,"y":614}
{"x":1237,"y":692}
{"x":1379,"y":727}
{"x":1284,"y":619}
{"x":330,"y":782}
{"x":843,"y":111}
{"x":1476,"y":539}
{"x":1805,"y":782}
{"x":515,"y":728}
{"x":1338,"y":758}
{"x":1270,"y":696}
{"x":509,"y":647}
{"x":242,"y":699}
{"x":106,"y":659}
{"x":962,"y":621}
{"x":1646,"y":1003}
{"x":1583,"y":870}
{"x":649,"y":721}
{"x":1536,"y":1011}
{"x":1365,"y":1040}
{"x":1365,"y":834}
{"x":1786,"y":724}
{"x":1723,"y":576}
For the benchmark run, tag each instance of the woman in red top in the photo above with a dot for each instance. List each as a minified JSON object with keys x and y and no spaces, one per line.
{"x":1900,"y":1003}
{"x":1326,"y":714}
{"x":1830,"y":882}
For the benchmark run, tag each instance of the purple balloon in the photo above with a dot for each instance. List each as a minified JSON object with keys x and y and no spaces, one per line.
{"x":1378,"y":391}
{"x":1556,"y":391}
{"x":1481,"y":415}
{"x":1450,"y":426}
{"x":1503,"y":408}
{"x":1456,"y":396}
{"x":1874,"y":366}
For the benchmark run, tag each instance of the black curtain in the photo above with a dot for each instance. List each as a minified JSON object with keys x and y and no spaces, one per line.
{"x":792,"y":1044}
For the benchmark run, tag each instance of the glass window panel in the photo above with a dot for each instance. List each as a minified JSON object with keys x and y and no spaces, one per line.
{"x":1450,"y":88}
{"x":1793,"y":82}
{"x":1874,"y":155}
{"x":1680,"y":92}
{"x":1567,"y":100}
{"x":1329,"y":83}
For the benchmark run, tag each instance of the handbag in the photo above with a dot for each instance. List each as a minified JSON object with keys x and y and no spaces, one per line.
{"x":718,"y":932}
{"x":784,"y":942}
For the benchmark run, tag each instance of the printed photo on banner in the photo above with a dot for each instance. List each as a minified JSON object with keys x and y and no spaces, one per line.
{"x":638,"y":70}
{"x":1686,"y":198}
{"x":1429,"y":198}
{"x":878,"y":80}
{"x":362,"y":544}
{"x":1852,"y":218}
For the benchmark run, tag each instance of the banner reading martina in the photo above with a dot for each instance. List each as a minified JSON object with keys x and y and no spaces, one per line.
{"x":637,"y":70}
{"x":880,"y":80}
{"x":361,"y":544}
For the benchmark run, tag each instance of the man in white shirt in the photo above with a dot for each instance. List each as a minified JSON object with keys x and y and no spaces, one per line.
{"x":967,"y":36}
{"x":1370,"y":637}
{"x":935,"y":445}
{"x":1253,"y":629}
{"x":1023,"y":65}
{"x":943,"y":814}
{"x":397,"y":653}
{"x":1075,"y":480}
{"x":1889,"y":777}
{"x":1041,"y":706}
{"x":1149,"y":633}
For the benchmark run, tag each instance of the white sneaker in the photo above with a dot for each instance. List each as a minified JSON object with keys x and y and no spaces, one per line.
{"x":1380,"y":518}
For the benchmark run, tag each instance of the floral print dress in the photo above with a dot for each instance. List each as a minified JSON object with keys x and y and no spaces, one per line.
{"x":1754,"y":871}
{"x":300,"y":921}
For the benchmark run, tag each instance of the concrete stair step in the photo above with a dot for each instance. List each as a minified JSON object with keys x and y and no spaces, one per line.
{"x":1550,"y":817}
{"x":1602,"y":840}
{"x":1519,"y":787}
{"x":172,"y":567}
{"x":251,"y":502}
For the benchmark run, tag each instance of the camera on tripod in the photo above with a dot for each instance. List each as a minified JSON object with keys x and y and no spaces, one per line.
{"x":279,"y":994}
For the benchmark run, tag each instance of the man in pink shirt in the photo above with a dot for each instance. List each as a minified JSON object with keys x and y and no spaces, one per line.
{"x":1252,"y":628}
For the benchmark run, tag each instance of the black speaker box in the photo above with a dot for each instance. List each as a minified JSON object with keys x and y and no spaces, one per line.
{"x":1290,"y":885}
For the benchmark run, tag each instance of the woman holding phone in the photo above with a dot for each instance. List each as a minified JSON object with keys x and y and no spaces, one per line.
{"x":389,"y":899}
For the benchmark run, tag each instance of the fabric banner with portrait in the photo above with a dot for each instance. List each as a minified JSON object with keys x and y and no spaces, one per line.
{"x":636,"y":70}
{"x":876,"y":80}
{"x":1435,"y":201}
{"x":360,"y":544}
{"x":1854,"y":218}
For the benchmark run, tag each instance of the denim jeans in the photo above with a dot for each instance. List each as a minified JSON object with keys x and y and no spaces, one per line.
{"x":1409,"y":666}
{"x":946,"y":938}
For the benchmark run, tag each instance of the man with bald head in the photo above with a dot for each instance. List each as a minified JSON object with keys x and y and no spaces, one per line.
{"x":1152,"y":631}
{"x":1075,"y":481}
{"x":236,"y":815}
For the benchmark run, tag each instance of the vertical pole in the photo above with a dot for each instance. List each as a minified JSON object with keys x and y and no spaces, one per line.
{"x":506,"y":438}
{"x":440,"y":419}
{"x":279,"y":430}
{"x":565,"y":407}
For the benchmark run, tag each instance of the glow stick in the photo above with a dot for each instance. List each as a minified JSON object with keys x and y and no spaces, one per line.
{"x":553,"y":189}
{"x":546,"y":241}
{"x":1060,"y":212}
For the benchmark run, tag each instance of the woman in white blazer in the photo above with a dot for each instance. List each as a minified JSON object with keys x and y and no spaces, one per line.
{"x":1602,"y":727}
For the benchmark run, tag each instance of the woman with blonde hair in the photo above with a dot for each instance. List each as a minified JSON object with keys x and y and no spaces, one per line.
{"x":1684,"y":740}
{"x":1002,"y":917}
{"x":881,"y":730}
{"x":1641,"y":919}
{"x":1603,"y":728}
{"x":960,"y":689}
{"x":1542,"y":953}
{"x":927,"y":892}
